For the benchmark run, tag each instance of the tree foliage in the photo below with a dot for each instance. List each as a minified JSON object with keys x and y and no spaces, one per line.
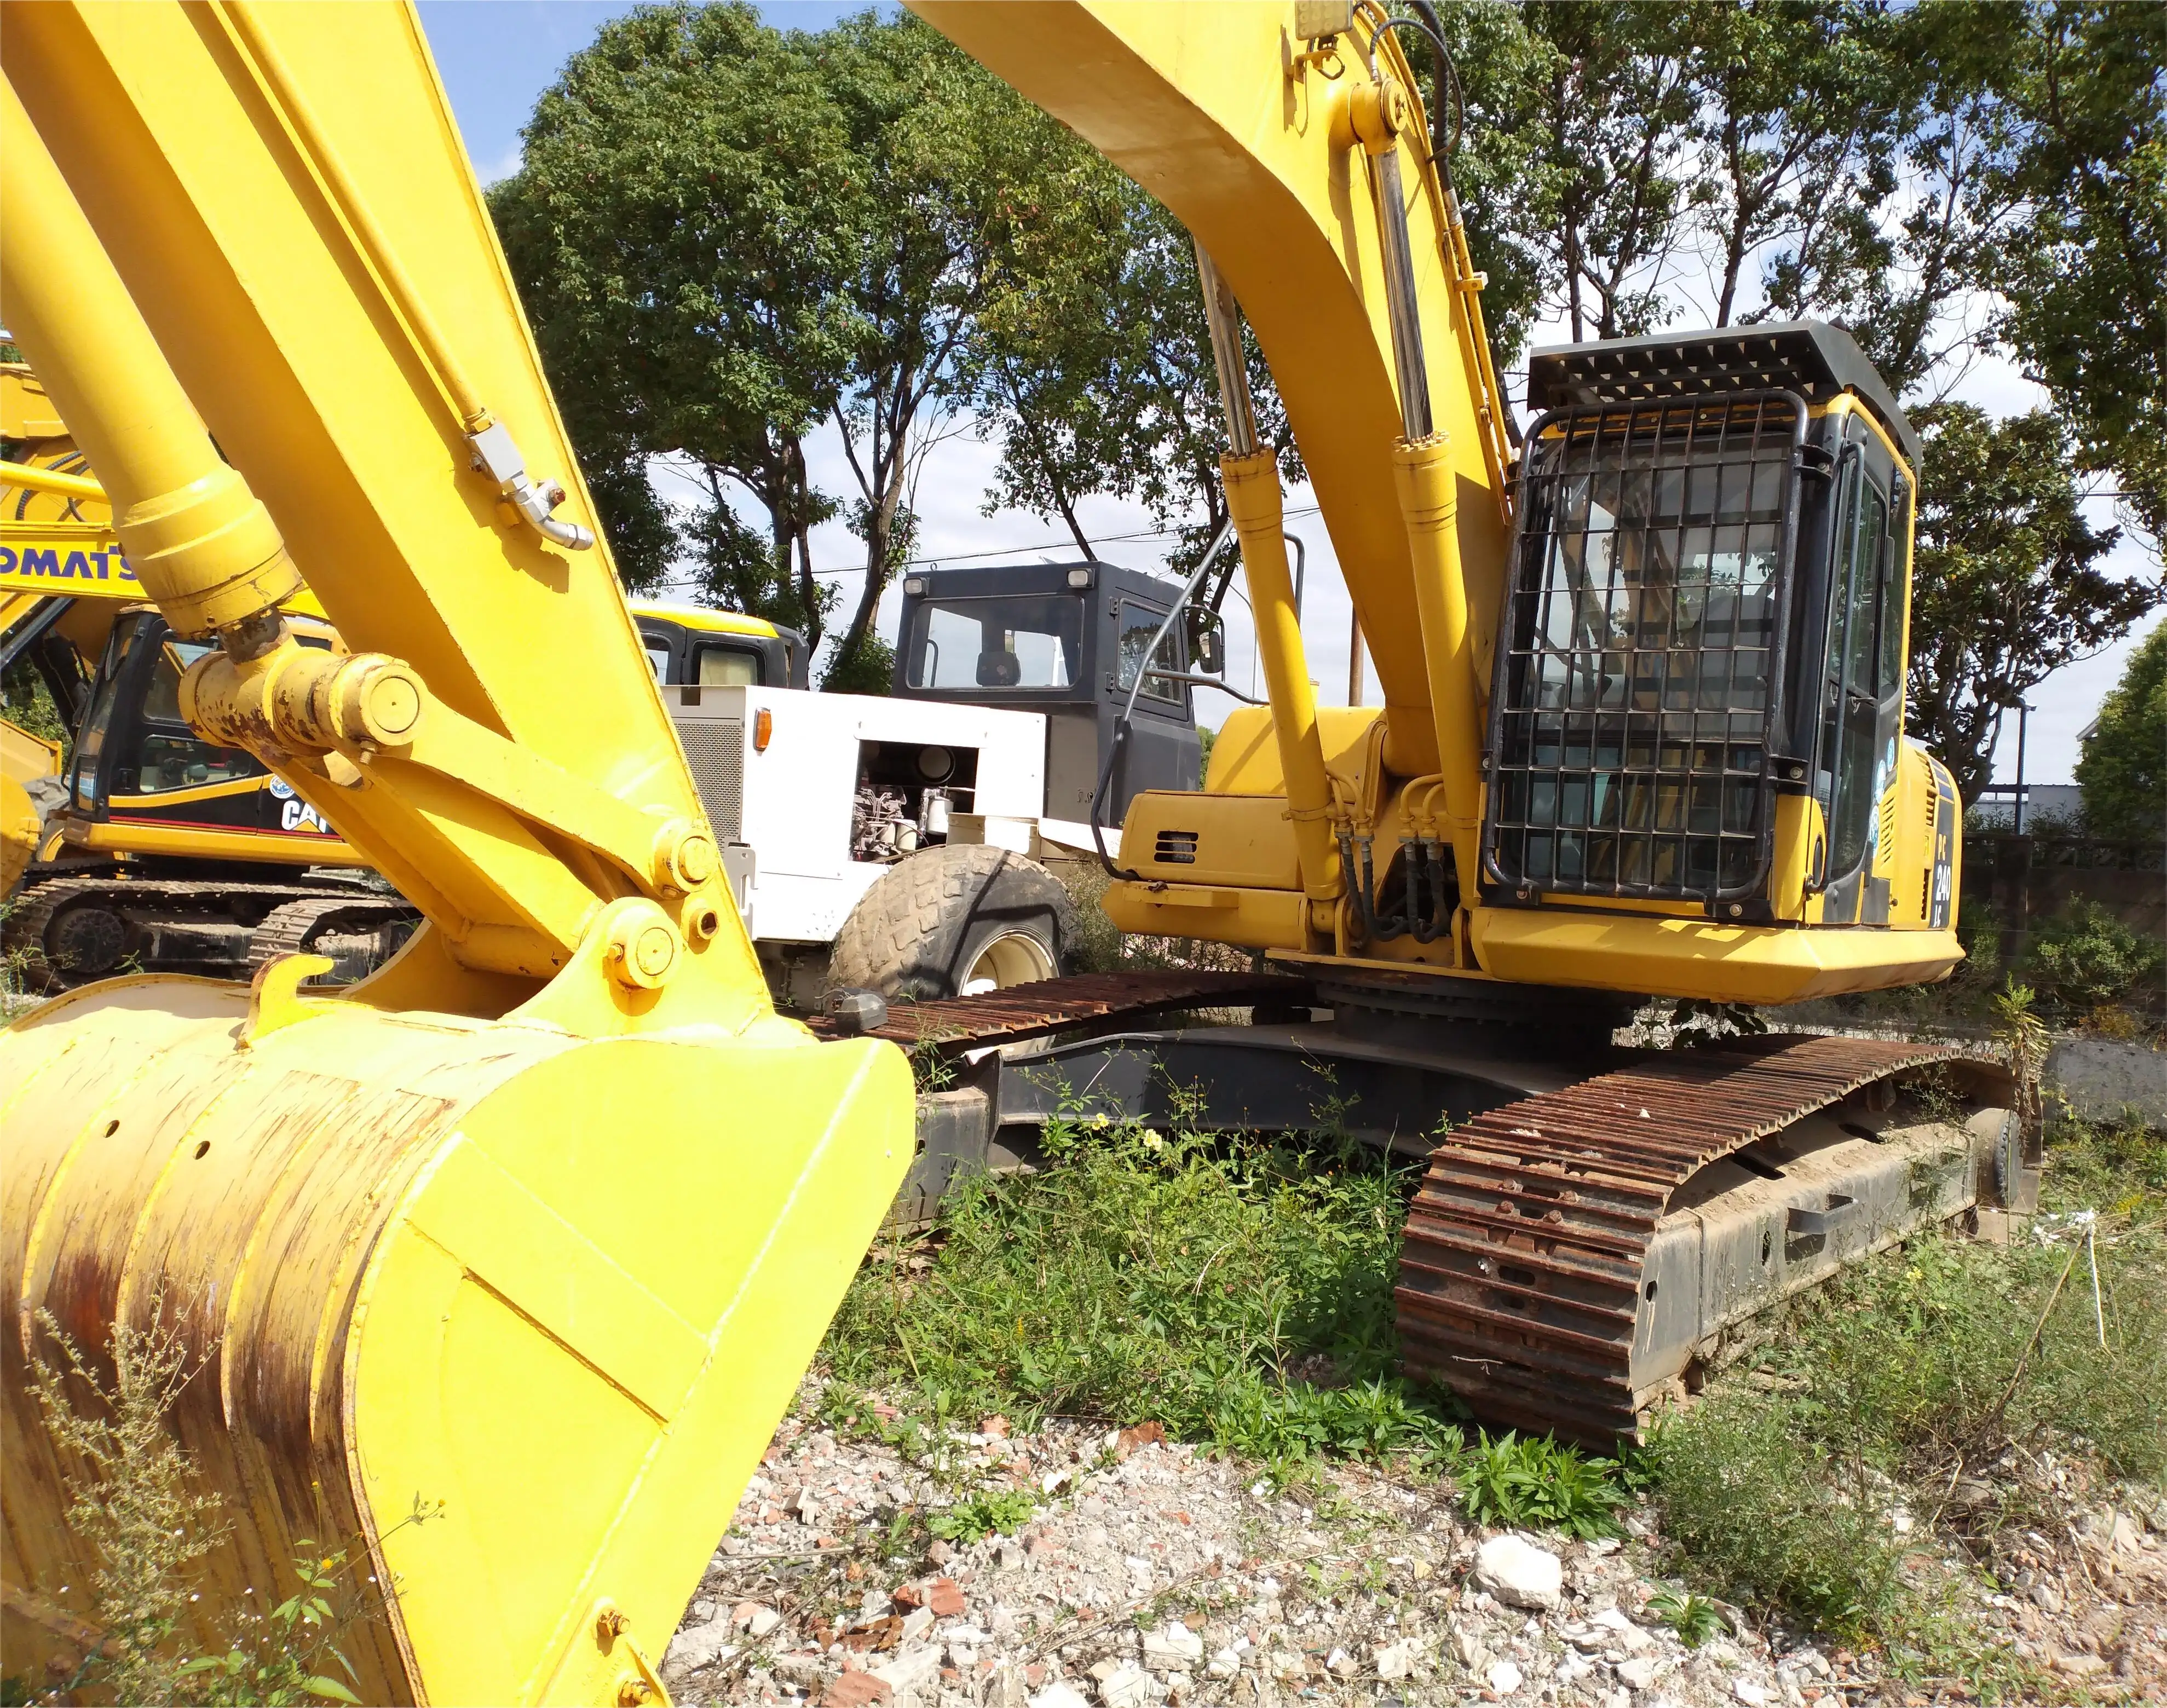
{"x":731,"y":238}
{"x":2123,"y":769}
{"x":2085,"y":93}
{"x":2007,"y":586}
{"x":679,"y":228}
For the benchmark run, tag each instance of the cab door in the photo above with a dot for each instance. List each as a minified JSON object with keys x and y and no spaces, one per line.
{"x":1861,"y":711}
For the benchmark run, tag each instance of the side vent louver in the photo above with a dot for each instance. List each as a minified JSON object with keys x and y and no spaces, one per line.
{"x":1175,"y":847}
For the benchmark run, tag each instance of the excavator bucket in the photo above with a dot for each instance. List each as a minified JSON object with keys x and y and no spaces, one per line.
{"x":554,"y":1291}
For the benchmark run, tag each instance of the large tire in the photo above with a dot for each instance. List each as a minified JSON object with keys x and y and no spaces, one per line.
{"x":954,"y":920}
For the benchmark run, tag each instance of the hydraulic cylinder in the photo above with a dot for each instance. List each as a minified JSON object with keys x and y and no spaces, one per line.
{"x":1252,"y":499}
{"x":202,"y":545}
{"x":1422,"y":471}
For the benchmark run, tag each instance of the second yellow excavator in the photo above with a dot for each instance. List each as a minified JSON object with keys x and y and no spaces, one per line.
{"x":542,"y":1222}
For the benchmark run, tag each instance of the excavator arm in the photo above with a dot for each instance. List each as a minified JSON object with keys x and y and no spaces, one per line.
{"x":534,"y":1232}
{"x":1602,"y":761}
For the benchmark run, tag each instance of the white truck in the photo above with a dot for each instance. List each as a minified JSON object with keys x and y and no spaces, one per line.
{"x":889,"y":843}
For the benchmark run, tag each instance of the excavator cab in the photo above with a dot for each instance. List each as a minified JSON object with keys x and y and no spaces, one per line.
{"x":1706,"y":619}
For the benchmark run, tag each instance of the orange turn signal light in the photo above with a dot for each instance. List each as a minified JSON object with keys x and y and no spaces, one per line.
{"x":763,"y":729}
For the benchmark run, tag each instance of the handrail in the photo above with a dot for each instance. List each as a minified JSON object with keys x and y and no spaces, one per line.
{"x":1129,"y":711}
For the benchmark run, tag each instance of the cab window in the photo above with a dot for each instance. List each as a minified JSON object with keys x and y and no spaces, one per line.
{"x":173,"y":757}
{"x":90,"y":742}
{"x":726,"y":667}
{"x":1859,"y":657}
{"x":657,"y":656}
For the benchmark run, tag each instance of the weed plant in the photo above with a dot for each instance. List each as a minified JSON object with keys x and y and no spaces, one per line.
{"x":134,"y":1502}
{"x":1239,"y":1292}
{"x":1537,"y":1483}
{"x":1783,"y":1485}
{"x":989,"y":1512}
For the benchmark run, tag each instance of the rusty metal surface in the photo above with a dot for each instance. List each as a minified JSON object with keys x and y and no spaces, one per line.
{"x":1521,"y":1271}
{"x":1054,"y":1005}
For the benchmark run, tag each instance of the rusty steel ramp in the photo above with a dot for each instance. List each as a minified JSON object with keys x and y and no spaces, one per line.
{"x":958,"y":1023}
{"x":1540,"y":1246}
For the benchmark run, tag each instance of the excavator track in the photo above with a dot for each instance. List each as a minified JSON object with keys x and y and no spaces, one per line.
{"x":957,"y":1024}
{"x":1523,"y":1275}
{"x":143,"y":912}
{"x":298,"y":927}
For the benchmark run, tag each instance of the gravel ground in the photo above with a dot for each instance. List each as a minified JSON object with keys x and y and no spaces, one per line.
{"x":1152,"y":1573}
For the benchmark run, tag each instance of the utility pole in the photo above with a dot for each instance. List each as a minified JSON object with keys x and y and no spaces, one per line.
{"x":1354,"y":660}
{"x":2023,"y":714}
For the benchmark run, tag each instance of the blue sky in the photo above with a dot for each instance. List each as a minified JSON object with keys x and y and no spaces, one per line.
{"x":496,"y":56}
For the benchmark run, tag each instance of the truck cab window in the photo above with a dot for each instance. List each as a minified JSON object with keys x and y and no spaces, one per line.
{"x":726,"y":667}
{"x":1017,"y":641}
{"x":1139,"y":624}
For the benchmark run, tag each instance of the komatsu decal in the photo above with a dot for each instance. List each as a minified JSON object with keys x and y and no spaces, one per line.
{"x":52,"y":563}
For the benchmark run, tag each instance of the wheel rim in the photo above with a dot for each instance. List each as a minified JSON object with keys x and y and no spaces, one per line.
{"x":1013,"y":958}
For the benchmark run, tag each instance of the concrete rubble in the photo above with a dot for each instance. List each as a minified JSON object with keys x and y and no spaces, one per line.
{"x":1154,"y":1574}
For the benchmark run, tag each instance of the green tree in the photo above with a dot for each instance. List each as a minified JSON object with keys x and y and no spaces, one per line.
{"x":964,"y":187}
{"x":2007,"y":587}
{"x":1617,"y":113}
{"x":2123,"y":768}
{"x":1799,"y":108}
{"x":682,"y":227}
{"x":1095,"y":371}
{"x":2084,"y":88}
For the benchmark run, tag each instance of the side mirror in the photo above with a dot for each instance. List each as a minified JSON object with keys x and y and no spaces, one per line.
{"x":1206,"y":633}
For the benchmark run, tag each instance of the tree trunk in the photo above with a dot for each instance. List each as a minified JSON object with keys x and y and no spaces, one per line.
{"x":880,"y":526}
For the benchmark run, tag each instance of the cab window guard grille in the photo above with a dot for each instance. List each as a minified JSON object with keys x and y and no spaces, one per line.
{"x":1639,"y":663}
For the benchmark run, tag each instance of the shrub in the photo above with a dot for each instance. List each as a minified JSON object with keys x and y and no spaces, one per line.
{"x":2084,"y":958}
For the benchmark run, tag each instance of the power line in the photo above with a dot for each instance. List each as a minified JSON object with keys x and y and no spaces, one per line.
{"x":937,"y":559}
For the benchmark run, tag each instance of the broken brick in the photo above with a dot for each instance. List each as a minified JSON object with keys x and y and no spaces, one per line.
{"x":1143,"y":1435}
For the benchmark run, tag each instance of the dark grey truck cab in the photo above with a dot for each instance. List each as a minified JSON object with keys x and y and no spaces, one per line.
{"x":1067,"y":640}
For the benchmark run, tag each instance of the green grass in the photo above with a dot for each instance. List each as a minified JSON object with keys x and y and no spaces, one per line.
{"x":1780,"y":1488}
{"x":1240,"y":1293}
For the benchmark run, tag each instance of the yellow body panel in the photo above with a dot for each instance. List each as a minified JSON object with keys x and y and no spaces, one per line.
{"x":19,"y":829}
{"x":1243,"y":841}
{"x":1703,"y":958}
{"x":1252,"y":918}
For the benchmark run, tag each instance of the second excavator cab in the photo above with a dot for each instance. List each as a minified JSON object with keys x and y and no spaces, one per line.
{"x":1066,"y":639}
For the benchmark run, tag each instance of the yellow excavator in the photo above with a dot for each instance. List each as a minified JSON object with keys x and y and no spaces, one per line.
{"x":159,"y":850}
{"x":541,"y":1223}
